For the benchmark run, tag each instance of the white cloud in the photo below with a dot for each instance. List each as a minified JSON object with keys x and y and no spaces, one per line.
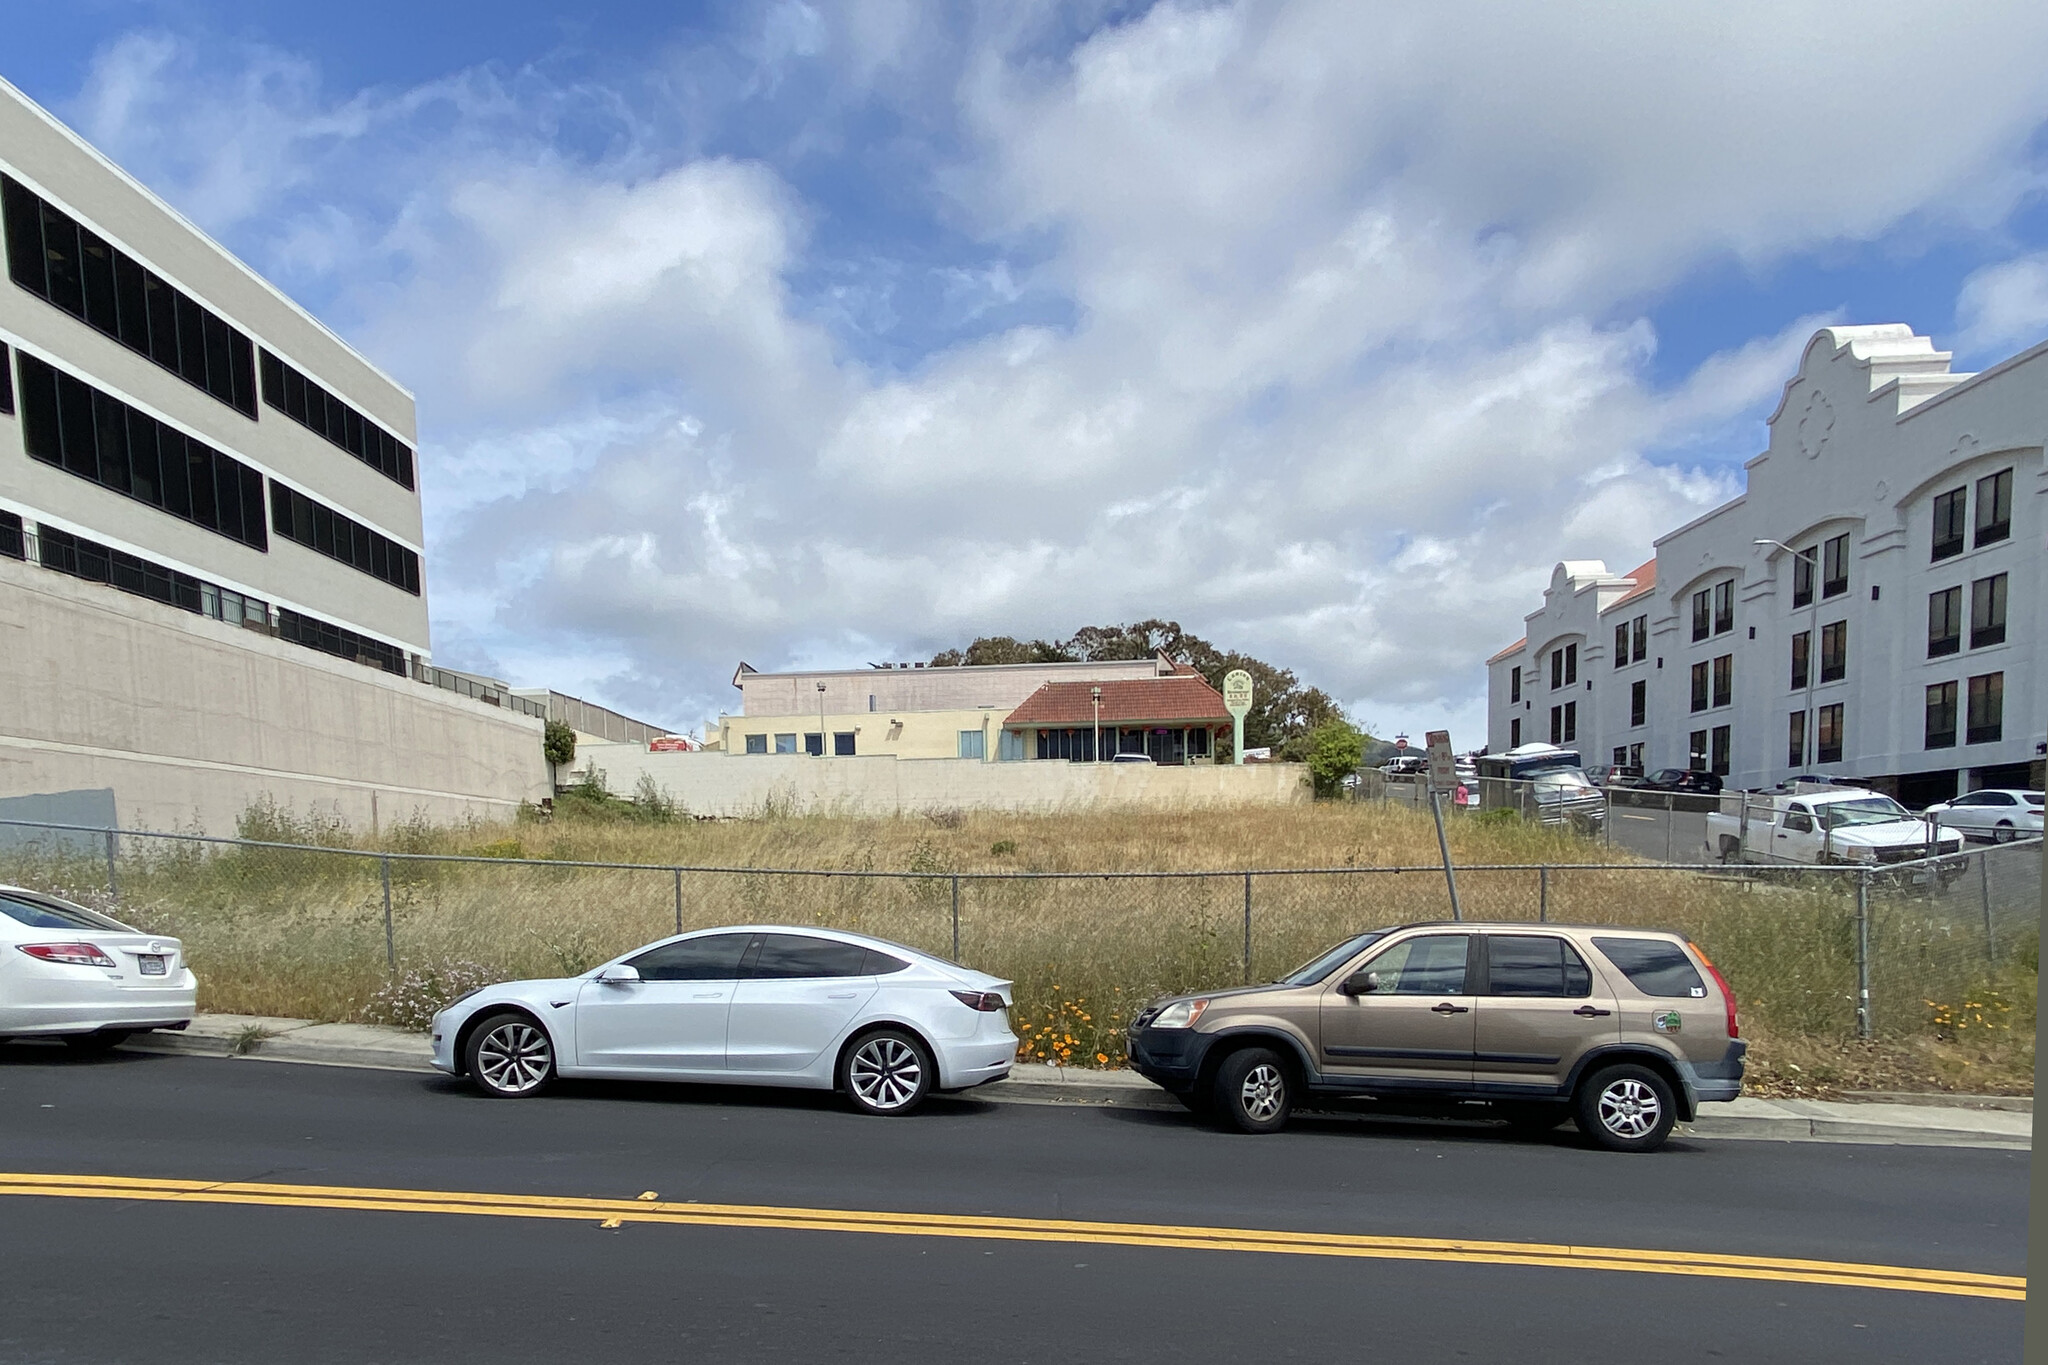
{"x":1349,"y":358}
{"x":2004,"y":307}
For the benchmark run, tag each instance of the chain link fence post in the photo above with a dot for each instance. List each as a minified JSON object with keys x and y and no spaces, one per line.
{"x":956,"y":917}
{"x":1670,"y":821}
{"x":113,"y":882}
{"x":1543,"y":894}
{"x":679,"y":899}
{"x":1863,"y":953}
{"x":1247,"y":928}
{"x":390,"y":940}
{"x":1984,"y":888}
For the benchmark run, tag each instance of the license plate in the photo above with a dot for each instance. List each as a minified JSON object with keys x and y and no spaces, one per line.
{"x":152,"y":965}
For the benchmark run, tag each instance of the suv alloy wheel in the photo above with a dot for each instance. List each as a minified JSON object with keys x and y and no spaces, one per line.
{"x":1626,"y":1108}
{"x":1254,"y":1092}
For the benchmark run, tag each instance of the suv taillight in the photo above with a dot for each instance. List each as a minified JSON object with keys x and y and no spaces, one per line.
{"x":71,"y":954}
{"x":988,"y":1002}
{"x":1727,"y":996}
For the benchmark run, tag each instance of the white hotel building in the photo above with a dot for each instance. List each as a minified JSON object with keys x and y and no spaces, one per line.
{"x":1872,"y":605}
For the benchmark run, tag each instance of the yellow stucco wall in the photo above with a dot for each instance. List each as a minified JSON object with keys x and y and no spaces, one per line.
{"x":906,"y":734}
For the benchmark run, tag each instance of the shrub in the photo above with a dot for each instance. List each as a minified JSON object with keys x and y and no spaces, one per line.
{"x":558,"y":744}
{"x":1335,"y":749}
{"x":411,"y":999}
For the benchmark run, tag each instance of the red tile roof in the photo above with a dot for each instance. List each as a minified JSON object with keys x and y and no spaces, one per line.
{"x":1150,"y":701}
{"x":1514,"y":648}
{"x":1645,"y":575}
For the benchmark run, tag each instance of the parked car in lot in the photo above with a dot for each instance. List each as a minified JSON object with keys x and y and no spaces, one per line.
{"x":1675,"y":780}
{"x":1999,"y":815}
{"x":1626,"y":1031}
{"x":816,"y":1009}
{"x":72,"y":973}
{"x":1823,"y":825}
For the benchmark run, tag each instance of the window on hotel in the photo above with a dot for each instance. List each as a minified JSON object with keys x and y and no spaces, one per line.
{"x":1724,"y":607}
{"x":1987,"y":611}
{"x":1699,"y":686}
{"x":1696,"y":751}
{"x":1702,"y":615}
{"x":1557,"y":725}
{"x":1994,"y":507}
{"x":1987,"y":709}
{"x":1802,"y":577}
{"x":1571,"y":721}
{"x":1515,"y":733}
{"x":1556,"y":669}
{"x":1795,"y":741}
{"x":1515,"y":683}
{"x":1721,"y":745}
{"x":842,"y":744}
{"x":1571,"y":664}
{"x":1941,"y":716}
{"x":1724,"y":680}
{"x":1830,"y":737}
{"x":1640,"y":628}
{"x":60,"y":260}
{"x":1944,"y":622}
{"x":757,"y":744}
{"x":814,"y":744}
{"x":1834,"y":651}
{"x":1802,"y":658}
{"x":1621,"y":755}
{"x":1638,"y":701}
{"x":973,"y":744}
{"x":1950,"y":517}
{"x":785,"y":744}
{"x":1010,"y":746}
{"x":68,"y":423}
{"x":1635,"y":757}
{"x":1834,"y":567}
{"x":1621,"y":644}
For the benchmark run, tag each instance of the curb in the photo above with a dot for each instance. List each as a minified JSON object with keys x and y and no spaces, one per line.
{"x":1936,"y":1121}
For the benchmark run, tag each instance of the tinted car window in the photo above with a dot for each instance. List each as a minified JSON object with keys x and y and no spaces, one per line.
{"x":1431,"y":965}
{"x":56,"y":915}
{"x":879,"y":963}
{"x":795,"y":956}
{"x":1313,"y":971}
{"x":715,"y":957}
{"x":1531,"y":964}
{"x":1655,"y":965}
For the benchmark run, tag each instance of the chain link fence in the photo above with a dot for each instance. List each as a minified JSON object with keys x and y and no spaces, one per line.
{"x":1933,"y":948}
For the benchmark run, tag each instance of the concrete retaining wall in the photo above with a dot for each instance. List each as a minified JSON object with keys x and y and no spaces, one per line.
{"x":727,"y":784}
{"x":189,"y":720}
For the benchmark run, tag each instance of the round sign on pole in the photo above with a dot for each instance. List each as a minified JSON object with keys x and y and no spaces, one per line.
{"x":1237,"y":700}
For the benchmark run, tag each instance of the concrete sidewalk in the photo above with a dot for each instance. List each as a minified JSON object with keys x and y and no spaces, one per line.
{"x":1938,"y":1120}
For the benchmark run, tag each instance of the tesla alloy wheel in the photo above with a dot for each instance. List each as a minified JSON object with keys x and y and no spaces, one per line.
{"x":887,"y":1073}
{"x":1626,"y":1108}
{"x":510,"y":1056}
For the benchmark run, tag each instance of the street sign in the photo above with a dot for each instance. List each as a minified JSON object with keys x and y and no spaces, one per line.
{"x":1443,"y":768}
{"x":1237,"y":699}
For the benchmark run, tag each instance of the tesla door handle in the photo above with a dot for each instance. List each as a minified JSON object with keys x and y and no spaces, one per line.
{"x":1448,"y":1008}
{"x":842,"y":995}
{"x":709,"y":995}
{"x":1588,"y":1012}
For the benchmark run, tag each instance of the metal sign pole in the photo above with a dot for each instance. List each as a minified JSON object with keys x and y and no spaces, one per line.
{"x":1237,"y":700}
{"x":1436,"y":808}
{"x":1443,"y":776}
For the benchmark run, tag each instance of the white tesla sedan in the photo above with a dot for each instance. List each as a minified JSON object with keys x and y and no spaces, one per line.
{"x":73,"y":973}
{"x":754,"y":1005}
{"x":1999,"y":815}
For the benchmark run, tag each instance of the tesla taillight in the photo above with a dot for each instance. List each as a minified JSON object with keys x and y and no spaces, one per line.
{"x":988,"y":1002}
{"x":1727,"y":996}
{"x":71,"y":954}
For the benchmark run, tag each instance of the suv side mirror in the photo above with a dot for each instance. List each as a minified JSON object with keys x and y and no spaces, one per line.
{"x":619,"y":974}
{"x":1360,"y":983}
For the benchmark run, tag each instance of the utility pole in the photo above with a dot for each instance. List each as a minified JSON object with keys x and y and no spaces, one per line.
{"x":1095,"y":695}
{"x":822,"y":750}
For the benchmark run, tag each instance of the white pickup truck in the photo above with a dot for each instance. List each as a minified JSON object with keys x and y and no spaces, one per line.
{"x":1821,"y":826}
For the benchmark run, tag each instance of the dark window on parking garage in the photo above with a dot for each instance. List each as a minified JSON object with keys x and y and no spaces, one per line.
{"x":288,"y":391}
{"x":319,"y":527}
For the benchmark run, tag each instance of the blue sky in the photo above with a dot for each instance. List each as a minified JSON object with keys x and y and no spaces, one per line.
{"x":819,"y":335}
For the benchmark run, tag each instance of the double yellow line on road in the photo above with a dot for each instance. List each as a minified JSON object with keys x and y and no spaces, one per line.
{"x":617,"y":1212}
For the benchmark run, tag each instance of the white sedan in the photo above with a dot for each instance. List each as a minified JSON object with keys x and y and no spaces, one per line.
{"x":817,"y":1009}
{"x":72,"y":973}
{"x":1998,"y":814}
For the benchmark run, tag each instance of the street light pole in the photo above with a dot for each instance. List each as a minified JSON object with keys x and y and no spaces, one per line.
{"x":1809,"y":737}
{"x":1095,"y":695}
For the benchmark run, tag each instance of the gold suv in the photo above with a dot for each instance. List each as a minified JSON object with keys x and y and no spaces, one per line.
{"x":1624,"y":1030}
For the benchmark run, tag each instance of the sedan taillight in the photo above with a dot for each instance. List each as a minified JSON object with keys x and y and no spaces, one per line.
{"x":988,"y":1002}
{"x":71,"y":954}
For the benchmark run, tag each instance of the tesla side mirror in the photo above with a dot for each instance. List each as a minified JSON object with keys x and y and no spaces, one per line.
{"x":1360,"y":983}
{"x":619,"y":974}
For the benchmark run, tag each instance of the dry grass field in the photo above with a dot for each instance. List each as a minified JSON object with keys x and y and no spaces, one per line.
{"x":303,"y":933}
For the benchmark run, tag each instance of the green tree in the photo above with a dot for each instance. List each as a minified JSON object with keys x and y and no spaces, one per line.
{"x":558,"y":744}
{"x":1334,"y":750}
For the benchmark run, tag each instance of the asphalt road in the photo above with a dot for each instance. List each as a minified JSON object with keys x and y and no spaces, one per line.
{"x":151,"y":1279}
